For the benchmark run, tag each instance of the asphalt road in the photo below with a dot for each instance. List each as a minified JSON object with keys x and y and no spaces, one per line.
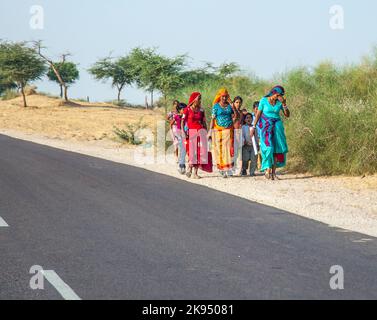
{"x":112,"y":231}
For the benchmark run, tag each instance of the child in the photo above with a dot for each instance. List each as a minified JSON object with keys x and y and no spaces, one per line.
{"x":173,"y":127}
{"x":237,"y":116}
{"x":170,"y":115}
{"x":257,"y":132}
{"x":244,"y":112}
{"x":248,"y":153}
{"x":237,"y":124}
{"x":181,"y":139}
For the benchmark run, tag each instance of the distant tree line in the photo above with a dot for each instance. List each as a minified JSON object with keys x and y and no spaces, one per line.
{"x":153,"y":72}
{"x":21,"y":63}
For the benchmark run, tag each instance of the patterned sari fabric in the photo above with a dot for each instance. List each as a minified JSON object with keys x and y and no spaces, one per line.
{"x":273,"y":143}
{"x":223,"y":147}
{"x":223,"y":133}
{"x":197,"y":149}
{"x":196,"y":144}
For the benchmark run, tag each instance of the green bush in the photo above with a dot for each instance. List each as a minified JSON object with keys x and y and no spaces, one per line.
{"x":9,"y":94}
{"x":334,"y":119}
{"x":121,"y":103}
{"x":129,"y":133}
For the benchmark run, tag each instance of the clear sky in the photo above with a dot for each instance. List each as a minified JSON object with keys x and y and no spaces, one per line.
{"x":264,"y":37}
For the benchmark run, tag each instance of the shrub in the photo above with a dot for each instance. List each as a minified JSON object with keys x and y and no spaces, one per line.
{"x":129,"y":133}
{"x":121,"y":103}
{"x":10,"y":94}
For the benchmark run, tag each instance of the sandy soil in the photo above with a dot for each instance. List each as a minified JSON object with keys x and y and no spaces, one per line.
{"x":342,"y":202}
{"x":80,"y":121}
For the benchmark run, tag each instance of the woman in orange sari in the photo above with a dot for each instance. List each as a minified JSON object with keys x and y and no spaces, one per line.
{"x":223,"y":133}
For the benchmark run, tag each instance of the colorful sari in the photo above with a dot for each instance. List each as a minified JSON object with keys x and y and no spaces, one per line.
{"x":223,"y":133}
{"x":197,"y":141}
{"x":273,"y":143}
{"x":223,"y":146}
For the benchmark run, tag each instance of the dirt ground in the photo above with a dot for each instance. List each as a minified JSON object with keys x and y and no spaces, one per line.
{"x":80,"y":121}
{"x":341,"y":202}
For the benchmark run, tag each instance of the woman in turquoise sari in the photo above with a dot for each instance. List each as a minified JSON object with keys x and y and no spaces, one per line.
{"x":273,"y":143}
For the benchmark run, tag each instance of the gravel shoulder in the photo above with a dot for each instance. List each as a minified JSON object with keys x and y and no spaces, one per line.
{"x":348,"y":203}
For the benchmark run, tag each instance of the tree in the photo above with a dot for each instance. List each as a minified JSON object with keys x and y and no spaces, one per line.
{"x":228,"y":69}
{"x":20,"y":64}
{"x":53,"y":67}
{"x":154,"y":72}
{"x":6,"y":85}
{"x":208,"y":73}
{"x":196,"y":77}
{"x":142,"y":62}
{"x":119,"y":71}
{"x":170,"y":74}
{"x":68,"y":72}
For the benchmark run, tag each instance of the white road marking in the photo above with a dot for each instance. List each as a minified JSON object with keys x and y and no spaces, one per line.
{"x":65,"y":291}
{"x":3,"y":223}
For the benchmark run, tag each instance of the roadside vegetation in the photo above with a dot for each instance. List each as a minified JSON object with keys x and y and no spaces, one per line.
{"x":130,"y":133}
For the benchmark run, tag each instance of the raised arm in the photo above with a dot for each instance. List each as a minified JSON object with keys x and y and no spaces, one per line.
{"x":286,"y":111}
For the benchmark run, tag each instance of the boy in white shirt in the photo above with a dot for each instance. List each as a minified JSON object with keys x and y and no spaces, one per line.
{"x":248,"y":153}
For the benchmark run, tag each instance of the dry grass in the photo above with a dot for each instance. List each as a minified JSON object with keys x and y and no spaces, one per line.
{"x":77,"y":120}
{"x":357,"y":183}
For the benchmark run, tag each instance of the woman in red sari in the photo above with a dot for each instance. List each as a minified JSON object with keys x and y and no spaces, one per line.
{"x":197,"y":148}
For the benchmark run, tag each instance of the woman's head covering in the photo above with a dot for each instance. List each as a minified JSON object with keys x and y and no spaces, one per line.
{"x":220,"y":93}
{"x":193,"y":97}
{"x":277,"y":89}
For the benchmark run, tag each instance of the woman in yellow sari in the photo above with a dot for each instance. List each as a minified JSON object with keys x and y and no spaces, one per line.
{"x":223,"y":133}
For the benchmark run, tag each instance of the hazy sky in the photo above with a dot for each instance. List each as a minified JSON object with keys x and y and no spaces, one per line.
{"x":264,"y":37}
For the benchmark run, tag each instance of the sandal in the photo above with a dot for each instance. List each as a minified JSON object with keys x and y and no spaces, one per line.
{"x":267,"y":175}
{"x":188,"y":174}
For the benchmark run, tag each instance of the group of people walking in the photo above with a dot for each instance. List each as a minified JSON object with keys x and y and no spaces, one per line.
{"x":235,"y":139}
